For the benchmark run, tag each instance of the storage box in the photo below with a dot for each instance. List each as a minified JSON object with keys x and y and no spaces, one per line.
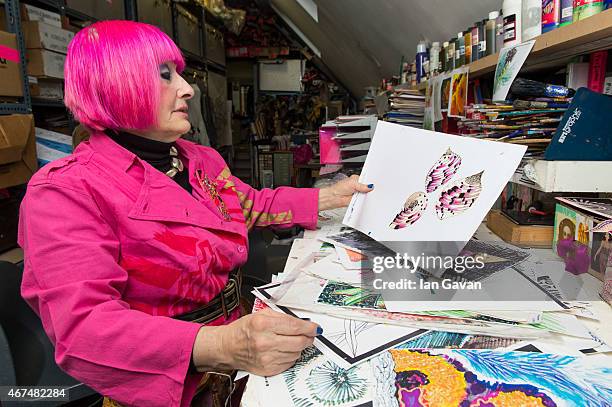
{"x":519,"y":235}
{"x":51,"y":146}
{"x":40,"y":35}
{"x":45,"y":88}
{"x":157,"y":13}
{"x":99,"y":9}
{"x":11,"y":83}
{"x":215,"y":45}
{"x":188,"y":34}
{"x":31,"y":13}
{"x":17,"y":149}
{"x":45,"y":63}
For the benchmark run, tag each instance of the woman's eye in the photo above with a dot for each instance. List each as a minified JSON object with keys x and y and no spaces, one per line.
{"x":165,"y":72}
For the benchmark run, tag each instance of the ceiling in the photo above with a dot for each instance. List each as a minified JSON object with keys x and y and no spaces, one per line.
{"x":362,"y":41}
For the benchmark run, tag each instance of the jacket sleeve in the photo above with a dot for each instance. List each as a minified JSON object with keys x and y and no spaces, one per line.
{"x":283,"y":206}
{"x":73,"y":281}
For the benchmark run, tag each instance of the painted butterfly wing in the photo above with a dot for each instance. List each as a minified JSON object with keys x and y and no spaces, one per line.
{"x":459,"y":197}
{"x":442,"y":171}
{"x":412,"y":211}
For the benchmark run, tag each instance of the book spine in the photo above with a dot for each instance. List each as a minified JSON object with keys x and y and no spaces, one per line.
{"x":597,"y":70}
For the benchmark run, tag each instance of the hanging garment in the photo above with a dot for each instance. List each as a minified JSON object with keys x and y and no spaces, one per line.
{"x":198,"y":132}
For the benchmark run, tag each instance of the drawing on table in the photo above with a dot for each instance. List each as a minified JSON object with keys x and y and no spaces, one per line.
{"x":346,"y":295}
{"x":459,"y":197}
{"x":493,"y":378}
{"x":314,"y":380}
{"x":442,"y":171}
{"x":451,"y":340}
{"x":411,"y":212}
{"x":348,"y":338}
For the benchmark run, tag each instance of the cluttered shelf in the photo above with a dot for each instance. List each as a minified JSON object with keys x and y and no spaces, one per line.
{"x":556,"y":47}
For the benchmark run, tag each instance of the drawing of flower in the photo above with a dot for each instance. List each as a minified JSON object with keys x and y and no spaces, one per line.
{"x":412,"y":211}
{"x":459,"y":197}
{"x":331,"y":385}
{"x":442,"y":171}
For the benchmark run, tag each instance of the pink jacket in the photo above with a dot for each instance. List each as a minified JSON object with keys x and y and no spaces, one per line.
{"x":113,"y":247}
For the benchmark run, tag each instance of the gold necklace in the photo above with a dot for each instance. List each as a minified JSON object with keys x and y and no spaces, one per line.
{"x":176,"y":163}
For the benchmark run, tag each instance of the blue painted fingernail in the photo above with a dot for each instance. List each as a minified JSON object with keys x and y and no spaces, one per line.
{"x":319,"y":330}
{"x":370,"y":186}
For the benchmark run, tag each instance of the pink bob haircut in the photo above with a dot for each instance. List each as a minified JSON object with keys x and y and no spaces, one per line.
{"x":112,"y":77}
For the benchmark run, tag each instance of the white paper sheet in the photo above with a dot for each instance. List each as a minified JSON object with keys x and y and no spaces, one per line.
{"x":510,"y":61}
{"x":398,"y":164}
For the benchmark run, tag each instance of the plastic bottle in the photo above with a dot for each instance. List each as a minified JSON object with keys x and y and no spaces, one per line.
{"x":490,"y":33}
{"x":499,"y":32}
{"x":532,"y":19}
{"x":421,"y":57}
{"x":467,"y":39}
{"x":512,"y":11}
{"x":460,"y":50}
{"x":567,"y":12}
{"x":550,"y":14}
{"x":434,"y":59}
{"x":450,"y":56}
{"x":443,"y":56}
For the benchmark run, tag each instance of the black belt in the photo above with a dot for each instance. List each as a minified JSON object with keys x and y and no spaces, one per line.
{"x":223,"y":303}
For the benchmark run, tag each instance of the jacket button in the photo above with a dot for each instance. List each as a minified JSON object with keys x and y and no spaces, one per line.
{"x":240,"y":249}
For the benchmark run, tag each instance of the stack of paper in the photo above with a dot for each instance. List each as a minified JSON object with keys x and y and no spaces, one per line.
{"x":406,"y":107}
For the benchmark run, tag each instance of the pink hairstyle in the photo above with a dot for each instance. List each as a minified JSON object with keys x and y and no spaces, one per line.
{"x":112,"y":77}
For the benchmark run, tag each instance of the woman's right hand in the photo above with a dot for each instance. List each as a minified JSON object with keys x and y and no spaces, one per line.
{"x":265,"y":343}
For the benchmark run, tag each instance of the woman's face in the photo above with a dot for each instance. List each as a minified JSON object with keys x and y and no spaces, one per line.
{"x":172,"y":116}
{"x":567,"y":233}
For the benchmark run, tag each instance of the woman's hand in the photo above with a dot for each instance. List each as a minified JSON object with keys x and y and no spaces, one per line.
{"x":340,"y":194}
{"x":265,"y":343}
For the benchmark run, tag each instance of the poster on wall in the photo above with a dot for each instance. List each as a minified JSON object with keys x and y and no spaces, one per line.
{"x":458,"y":93}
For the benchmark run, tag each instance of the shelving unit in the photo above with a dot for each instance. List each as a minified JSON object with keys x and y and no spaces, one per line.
{"x":556,"y":47}
{"x":13,"y":25}
{"x":565,"y":176}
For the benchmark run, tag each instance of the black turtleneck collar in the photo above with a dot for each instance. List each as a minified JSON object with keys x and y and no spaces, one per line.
{"x":156,"y":153}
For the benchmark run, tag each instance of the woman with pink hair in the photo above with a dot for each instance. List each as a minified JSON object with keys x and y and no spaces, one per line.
{"x":130,"y":243}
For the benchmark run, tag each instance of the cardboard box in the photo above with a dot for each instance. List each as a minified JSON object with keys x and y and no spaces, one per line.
{"x":17,"y":149}
{"x":40,"y":35}
{"x":42,"y":62}
{"x":45,"y":88}
{"x":31,"y":13}
{"x":11,"y":83}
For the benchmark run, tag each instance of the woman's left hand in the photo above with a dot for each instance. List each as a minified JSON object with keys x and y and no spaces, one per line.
{"x":340,"y":194}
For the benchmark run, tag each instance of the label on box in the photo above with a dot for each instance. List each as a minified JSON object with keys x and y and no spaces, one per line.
{"x":44,"y":16}
{"x":32,"y":79}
